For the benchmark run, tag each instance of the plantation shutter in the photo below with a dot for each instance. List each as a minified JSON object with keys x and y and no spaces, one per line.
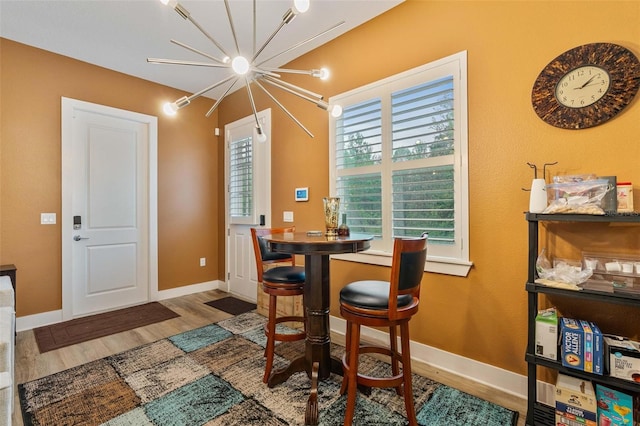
{"x":359,"y":144}
{"x":241,"y":178}
{"x":423,"y":133}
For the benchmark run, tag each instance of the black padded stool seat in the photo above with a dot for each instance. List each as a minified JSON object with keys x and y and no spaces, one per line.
{"x":371,"y":295}
{"x":384,"y":304}
{"x":285,"y":275}
{"x":277,"y":281}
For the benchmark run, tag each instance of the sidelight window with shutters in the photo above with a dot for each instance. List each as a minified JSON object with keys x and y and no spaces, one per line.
{"x":398,"y":162}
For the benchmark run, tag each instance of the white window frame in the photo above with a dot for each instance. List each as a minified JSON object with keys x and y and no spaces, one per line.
{"x":451,"y":260}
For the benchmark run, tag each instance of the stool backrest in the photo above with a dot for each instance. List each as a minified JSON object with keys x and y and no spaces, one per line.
{"x":407,"y":269}
{"x":263,"y":255}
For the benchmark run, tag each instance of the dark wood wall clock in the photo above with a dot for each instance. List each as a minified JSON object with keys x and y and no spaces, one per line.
{"x":586,"y":86}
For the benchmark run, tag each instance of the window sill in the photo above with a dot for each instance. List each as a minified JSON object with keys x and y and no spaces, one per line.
{"x":434,"y":264}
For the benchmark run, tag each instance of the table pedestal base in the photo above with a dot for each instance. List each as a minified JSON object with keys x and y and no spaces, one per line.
{"x":298,"y":365}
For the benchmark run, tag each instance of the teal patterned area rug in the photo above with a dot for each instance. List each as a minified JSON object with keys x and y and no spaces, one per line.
{"x":213,"y":376}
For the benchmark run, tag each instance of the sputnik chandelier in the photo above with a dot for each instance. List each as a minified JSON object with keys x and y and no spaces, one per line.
{"x":251,"y":71}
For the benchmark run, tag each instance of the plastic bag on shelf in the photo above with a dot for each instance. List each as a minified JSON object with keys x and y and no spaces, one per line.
{"x":581,"y":197}
{"x":562,"y":272}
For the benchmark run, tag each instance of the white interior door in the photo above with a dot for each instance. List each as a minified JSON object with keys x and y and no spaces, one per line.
{"x":248,"y":199}
{"x":109,"y":208}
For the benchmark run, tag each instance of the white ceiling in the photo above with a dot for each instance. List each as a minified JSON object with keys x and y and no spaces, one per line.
{"x":121,"y":35}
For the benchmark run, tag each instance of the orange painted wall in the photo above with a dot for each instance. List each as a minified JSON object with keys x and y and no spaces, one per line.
{"x":32,"y":81}
{"x":482,"y":316}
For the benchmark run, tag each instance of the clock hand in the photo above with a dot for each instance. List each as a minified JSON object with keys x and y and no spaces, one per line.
{"x":587,"y":82}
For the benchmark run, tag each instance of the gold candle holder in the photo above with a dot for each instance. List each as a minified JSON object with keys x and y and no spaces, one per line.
{"x":331,"y":209}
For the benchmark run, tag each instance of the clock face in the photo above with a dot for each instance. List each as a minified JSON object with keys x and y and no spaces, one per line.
{"x":583,"y":86}
{"x":586,"y":86}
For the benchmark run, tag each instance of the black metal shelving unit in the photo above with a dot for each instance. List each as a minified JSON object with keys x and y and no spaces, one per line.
{"x":539,"y":414}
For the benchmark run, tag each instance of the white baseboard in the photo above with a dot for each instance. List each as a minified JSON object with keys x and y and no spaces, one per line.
{"x":489,"y":375}
{"x":29,"y":322}
{"x":188,"y":289}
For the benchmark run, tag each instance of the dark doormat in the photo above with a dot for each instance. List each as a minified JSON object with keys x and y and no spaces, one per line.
{"x":231,"y":305}
{"x":92,"y":327}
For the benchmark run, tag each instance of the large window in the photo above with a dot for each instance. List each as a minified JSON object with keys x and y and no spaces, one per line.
{"x":399,"y":162}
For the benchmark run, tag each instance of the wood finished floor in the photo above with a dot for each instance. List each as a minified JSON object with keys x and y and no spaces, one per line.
{"x":31,"y":365}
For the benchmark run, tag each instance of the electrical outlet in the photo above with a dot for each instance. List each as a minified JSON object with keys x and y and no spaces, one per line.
{"x":203,"y":261}
{"x":287,"y":217}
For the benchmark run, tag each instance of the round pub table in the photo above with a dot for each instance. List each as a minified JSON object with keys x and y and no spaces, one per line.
{"x":316,"y":361}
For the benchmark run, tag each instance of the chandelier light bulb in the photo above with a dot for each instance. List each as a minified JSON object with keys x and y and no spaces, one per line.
{"x":240,"y":65}
{"x":226,"y":60}
{"x":261,"y":137}
{"x":336,"y":111}
{"x":322,"y":73}
{"x":300,"y":6}
{"x":170,"y":108}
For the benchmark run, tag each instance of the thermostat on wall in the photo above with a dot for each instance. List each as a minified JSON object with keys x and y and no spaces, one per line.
{"x":302,"y":194}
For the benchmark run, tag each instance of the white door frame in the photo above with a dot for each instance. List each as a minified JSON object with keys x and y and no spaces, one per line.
{"x":68,"y":108}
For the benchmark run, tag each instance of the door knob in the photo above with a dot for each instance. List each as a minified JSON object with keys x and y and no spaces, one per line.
{"x":78,"y":238}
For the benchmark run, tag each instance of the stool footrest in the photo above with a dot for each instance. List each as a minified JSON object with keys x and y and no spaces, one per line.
{"x":287,"y":337}
{"x":375,"y":382}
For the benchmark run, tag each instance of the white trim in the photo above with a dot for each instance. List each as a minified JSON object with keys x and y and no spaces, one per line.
{"x":498,"y":378}
{"x":189,"y":289}
{"x":29,"y":322}
{"x":453,"y":259}
{"x":433,"y":264}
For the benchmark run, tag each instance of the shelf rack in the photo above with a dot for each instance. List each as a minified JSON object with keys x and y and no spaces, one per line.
{"x":540,"y":414}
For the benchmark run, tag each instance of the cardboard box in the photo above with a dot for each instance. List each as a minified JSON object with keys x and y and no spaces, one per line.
{"x":547,"y":334}
{"x":622,"y":358}
{"x":287,"y":306}
{"x":582,"y":346}
{"x":575,"y":401}
{"x":615,"y":408}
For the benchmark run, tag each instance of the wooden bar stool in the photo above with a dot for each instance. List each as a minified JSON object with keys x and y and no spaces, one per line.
{"x":277,"y":281}
{"x":384,"y":304}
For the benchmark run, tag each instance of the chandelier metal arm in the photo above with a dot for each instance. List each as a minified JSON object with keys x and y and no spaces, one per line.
{"x":282,"y":107}
{"x":253,"y":104}
{"x":182,"y":11}
{"x":181,"y":62}
{"x":199,"y":52}
{"x":226,"y":92}
{"x":233,"y":28}
{"x":287,"y":70}
{"x":295,"y":46}
{"x":262,"y":71}
{"x":266,"y":43}
{"x":206,"y":89}
{"x":292,"y":88}
{"x":255,"y":31}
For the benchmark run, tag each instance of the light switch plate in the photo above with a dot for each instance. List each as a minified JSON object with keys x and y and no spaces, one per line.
{"x":47,"y":218}
{"x":287,"y":216}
